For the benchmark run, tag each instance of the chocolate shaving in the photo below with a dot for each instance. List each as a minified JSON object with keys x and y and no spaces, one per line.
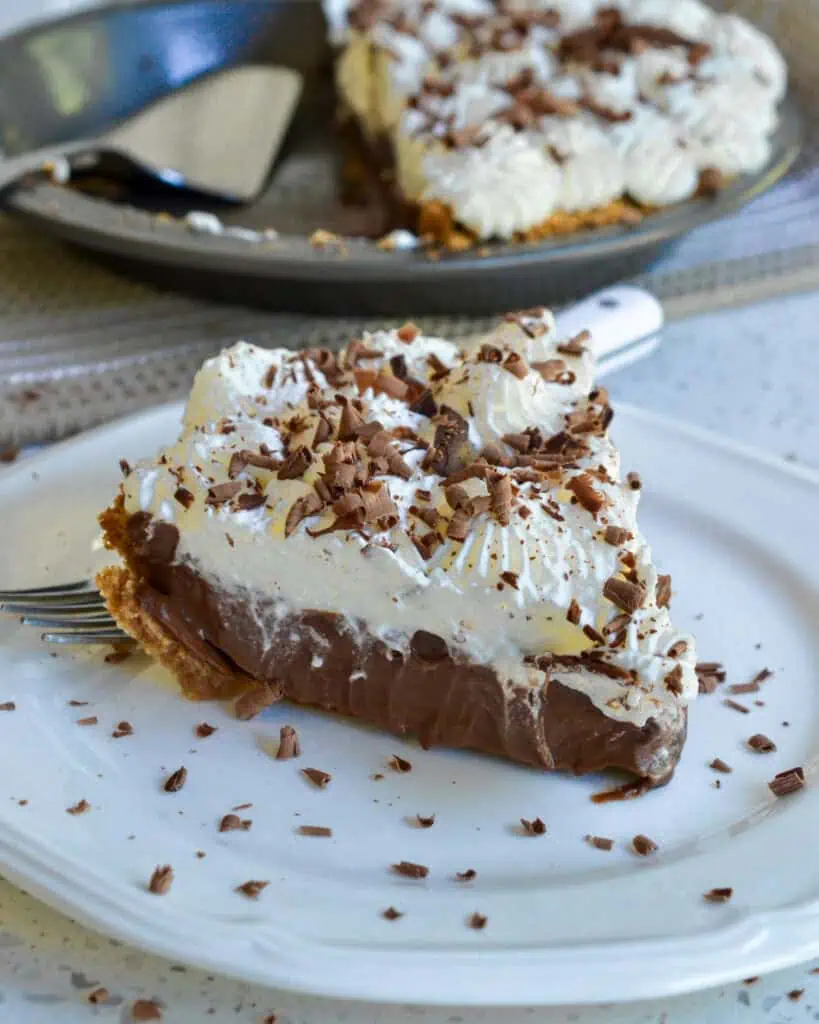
{"x":221,"y":493}
{"x":458,"y":528}
{"x":535,"y":827}
{"x":616,"y":535}
{"x":324,"y":431}
{"x":296,"y":464}
{"x":643,"y":846}
{"x":233,"y":823}
{"x":176,"y":780}
{"x":391,"y":914}
{"x":308,"y":505}
{"x":574,"y":613}
{"x":718,"y":895}
{"x":425,"y":821}
{"x":516,"y":365}
{"x":161,"y":880}
{"x":350,"y":422}
{"x":79,"y":808}
{"x":407,"y":869}
{"x":122,"y":729}
{"x":203,"y":730}
{"x":318,"y":778}
{"x":184,"y":497}
{"x":710,"y":675}
{"x":600,"y":842}
{"x":246,"y":502}
{"x":663,"y":592}
{"x":555,"y":371}
{"x":734,"y":705}
{"x":424,"y":404}
{"x":399,"y":764}
{"x":582,"y":486}
{"x":626,"y":596}
{"x":145,"y":1010}
{"x":787,"y":782}
{"x":289,"y":746}
{"x":500,"y":497}
{"x":319,"y":831}
{"x":495,"y":456}
{"x":575,"y":346}
{"x":251,"y":703}
{"x":427,"y":545}
{"x":242,"y":459}
{"x":721,"y":766}
{"x":761,"y":743}
{"x":449,"y":450}
{"x":390,"y":385}
{"x":477,"y":921}
{"x":8,"y":705}
{"x":673,"y":681}
{"x":466,"y":876}
{"x":251,"y":888}
{"x":90,"y":720}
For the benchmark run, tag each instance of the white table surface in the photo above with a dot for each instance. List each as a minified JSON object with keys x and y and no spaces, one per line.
{"x":750,"y":374}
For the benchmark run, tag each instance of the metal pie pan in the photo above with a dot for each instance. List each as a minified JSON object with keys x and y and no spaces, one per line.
{"x":288,"y":272}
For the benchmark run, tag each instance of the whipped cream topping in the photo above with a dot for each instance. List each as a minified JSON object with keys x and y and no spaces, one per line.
{"x":408,"y":484}
{"x":674,"y":87}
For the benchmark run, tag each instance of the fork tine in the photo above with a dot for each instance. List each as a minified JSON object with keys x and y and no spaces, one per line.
{"x":56,"y":589}
{"x":101,"y":636}
{"x":97,"y":620}
{"x":68,"y":603}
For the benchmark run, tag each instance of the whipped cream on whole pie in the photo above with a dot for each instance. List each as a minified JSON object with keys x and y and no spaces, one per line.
{"x":407,"y":488}
{"x":522,"y":118}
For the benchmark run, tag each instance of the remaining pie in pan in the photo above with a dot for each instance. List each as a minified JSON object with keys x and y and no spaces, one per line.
{"x":520,"y":119}
{"x":436,"y":540}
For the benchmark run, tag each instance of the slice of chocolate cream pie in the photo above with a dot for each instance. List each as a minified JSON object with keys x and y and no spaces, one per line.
{"x":433,"y":539}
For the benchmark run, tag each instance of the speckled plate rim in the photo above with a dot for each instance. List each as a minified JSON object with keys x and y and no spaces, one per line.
{"x":133,"y":234}
{"x":748,"y":941}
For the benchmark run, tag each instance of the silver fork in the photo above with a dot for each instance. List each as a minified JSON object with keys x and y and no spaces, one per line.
{"x":74,"y":613}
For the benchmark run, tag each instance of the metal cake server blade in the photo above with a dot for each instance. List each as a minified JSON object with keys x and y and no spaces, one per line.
{"x":219,"y":135}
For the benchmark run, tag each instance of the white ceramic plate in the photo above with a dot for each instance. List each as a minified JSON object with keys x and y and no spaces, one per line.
{"x":566,"y":923}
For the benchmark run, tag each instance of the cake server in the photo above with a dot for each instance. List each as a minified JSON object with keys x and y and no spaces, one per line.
{"x":218,"y":135}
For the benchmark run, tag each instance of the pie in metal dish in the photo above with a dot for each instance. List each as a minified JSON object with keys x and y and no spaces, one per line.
{"x":438,"y":541}
{"x":516,"y":120}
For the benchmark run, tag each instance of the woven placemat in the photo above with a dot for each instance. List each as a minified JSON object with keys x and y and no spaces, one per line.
{"x":80,"y":345}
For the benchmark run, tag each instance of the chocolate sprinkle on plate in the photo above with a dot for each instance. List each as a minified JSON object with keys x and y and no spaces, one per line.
{"x":718,"y":895}
{"x":787,"y":782}
{"x":710,"y":674}
{"x":399,"y":764}
{"x":319,"y":778}
{"x":79,"y":808}
{"x":176,"y":780}
{"x":761,"y":743}
{"x":535,"y":827}
{"x":796,"y":994}
{"x":144,"y":1010}
{"x":320,"y":831}
{"x":8,"y":705}
{"x":161,"y":880}
{"x":425,"y":821}
{"x":203,"y":730}
{"x":251,"y":888}
{"x":123,"y":729}
{"x":720,"y":766}
{"x":466,"y":876}
{"x":408,"y":869}
{"x":600,"y":842}
{"x":233,"y":823}
{"x":391,"y":914}
{"x":643,"y":846}
{"x":289,"y":746}
{"x":734,"y":705}
{"x":477,"y":921}
{"x":90,"y":720}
